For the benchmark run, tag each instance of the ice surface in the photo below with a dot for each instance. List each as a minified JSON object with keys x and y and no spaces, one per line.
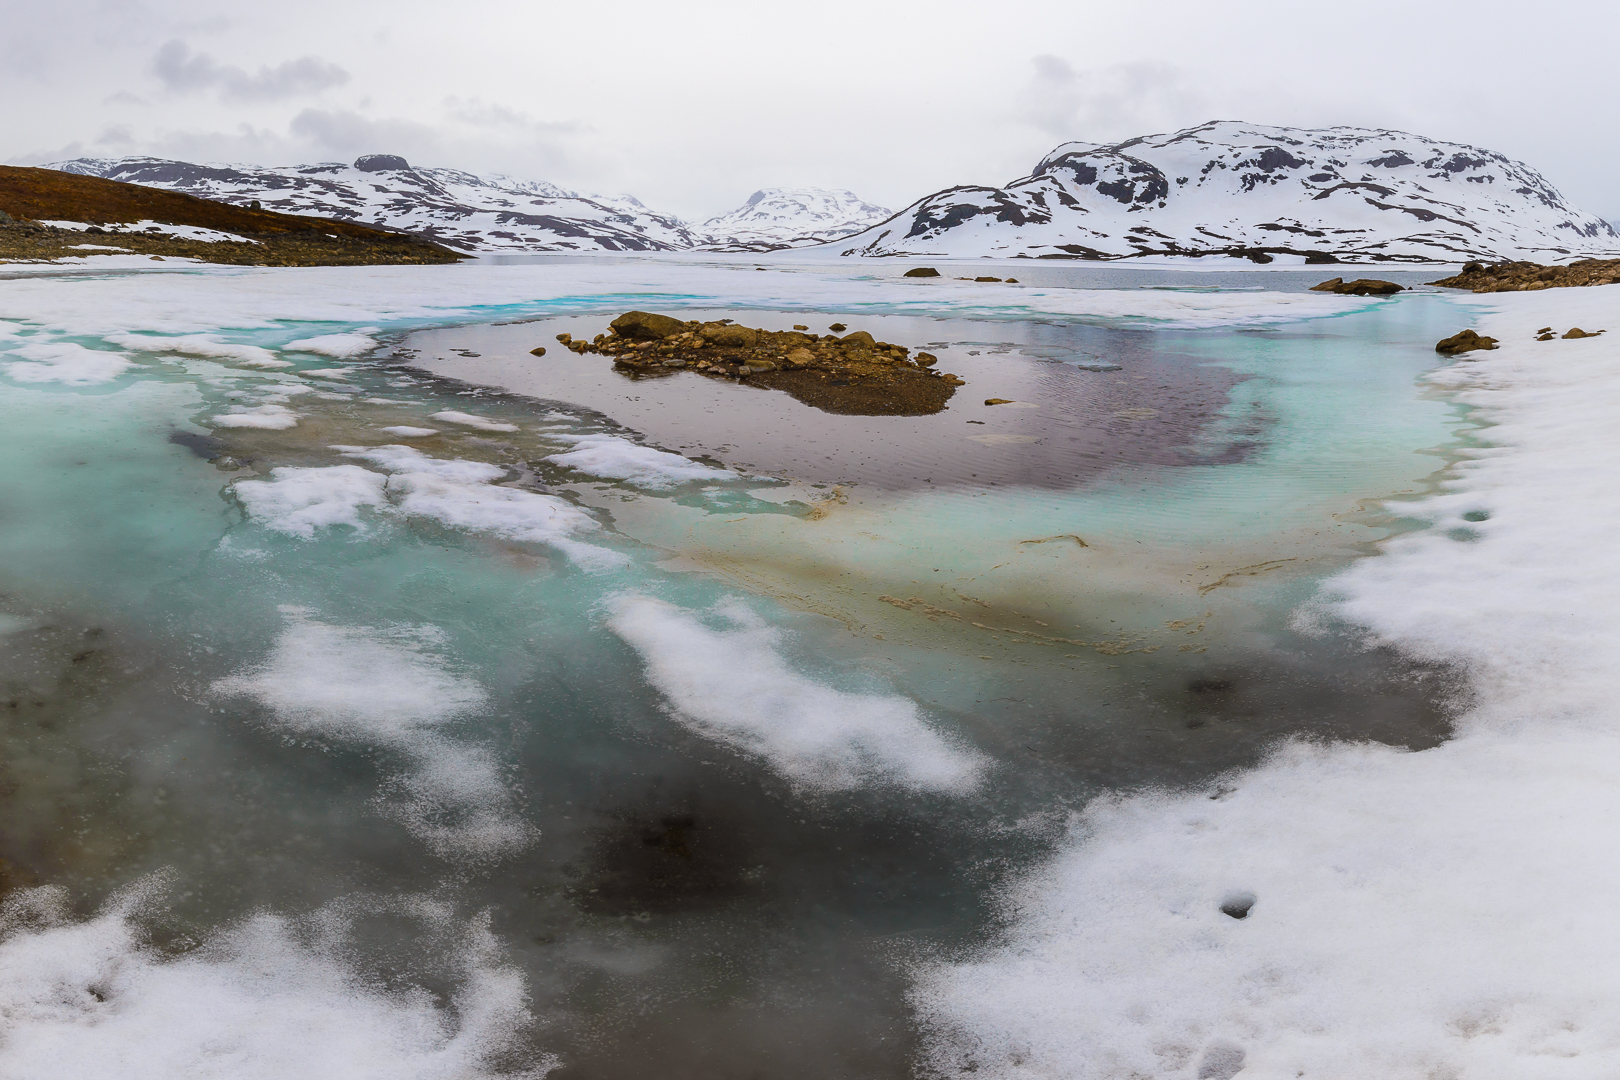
{"x":200,"y":301}
{"x":267,"y":417}
{"x":620,"y":459}
{"x":341,"y":346}
{"x":299,"y":501}
{"x":1415,"y":915}
{"x":733,"y":685}
{"x":450,"y":416}
{"x":257,"y":1001}
{"x":65,"y":362}
{"x":390,"y":688}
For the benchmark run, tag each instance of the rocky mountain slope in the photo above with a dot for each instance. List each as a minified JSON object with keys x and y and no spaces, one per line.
{"x":1347,"y":194}
{"x":494,"y":213}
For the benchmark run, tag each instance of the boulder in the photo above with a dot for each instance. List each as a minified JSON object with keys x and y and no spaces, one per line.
{"x":1577,"y":332}
{"x":541,"y":351}
{"x":922,"y":271}
{"x":998,"y":401}
{"x":926,"y":359}
{"x":838,"y":328}
{"x":859,"y":337}
{"x":1465,"y":341}
{"x":800,"y":358}
{"x":1359,"y":287}
{"x":986,"y":279}
{"x":734,"y":337}
{"x":645,"y":326}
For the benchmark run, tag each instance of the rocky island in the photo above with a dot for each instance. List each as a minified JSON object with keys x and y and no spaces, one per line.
{"x":853,"y":374}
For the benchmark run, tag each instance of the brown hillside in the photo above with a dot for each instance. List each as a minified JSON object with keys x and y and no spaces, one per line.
{"x":45,"y":194}
{"x":282,"y":239}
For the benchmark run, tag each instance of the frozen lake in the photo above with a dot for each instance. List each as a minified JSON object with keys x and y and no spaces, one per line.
{"x":511,"y":713}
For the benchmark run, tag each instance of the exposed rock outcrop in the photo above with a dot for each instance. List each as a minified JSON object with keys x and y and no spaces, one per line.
{"x":1359,"y":287}
{"x":854,"y":375}
{"x":1530,"y":276}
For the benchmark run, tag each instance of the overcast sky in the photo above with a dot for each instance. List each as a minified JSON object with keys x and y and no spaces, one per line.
{"x":691,"y":107}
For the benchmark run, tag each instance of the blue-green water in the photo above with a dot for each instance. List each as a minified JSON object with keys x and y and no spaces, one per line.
{"x":586,"y":736}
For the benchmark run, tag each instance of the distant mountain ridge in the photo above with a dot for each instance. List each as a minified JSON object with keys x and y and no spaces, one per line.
{"x":1348,"y":194}
{"x":493,"y":213}
{"x":795,"y":216}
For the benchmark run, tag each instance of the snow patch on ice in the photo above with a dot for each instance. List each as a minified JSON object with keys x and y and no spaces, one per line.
{"x":65,"y":362}
{"x":450,"y":416}
{"x":297,"y":501}
{"x":404,"y":431}
{"x":391,"y":688}
{"x":266,"y":417}
{"x":733,"y":685}
{"x":199,"y":345}
{"x":258,"y":1001}
{"x":460,"y":494}
{"x":340,"y":346}
{"x":619,"y":459}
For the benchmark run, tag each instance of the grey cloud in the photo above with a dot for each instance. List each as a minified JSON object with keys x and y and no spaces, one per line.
{"x":183,"y":72}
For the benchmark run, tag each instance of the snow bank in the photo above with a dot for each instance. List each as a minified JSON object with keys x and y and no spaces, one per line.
{"x":389,"y":688}
{"x":733,"y":686}
{"x":255,"y":1002}
{"x":1447,"y":913}
{"x":619,"y":459}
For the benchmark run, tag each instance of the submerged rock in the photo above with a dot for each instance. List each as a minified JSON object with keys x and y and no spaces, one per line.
{"x":854,"y":375}
{"x":1464,"y":341}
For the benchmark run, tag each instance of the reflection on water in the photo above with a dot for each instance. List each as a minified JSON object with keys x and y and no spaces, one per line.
{"x":1102,"y":608}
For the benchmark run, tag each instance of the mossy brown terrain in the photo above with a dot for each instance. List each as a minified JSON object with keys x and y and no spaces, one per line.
{"x":1530,"y":277}
{"x":852,"y":375}
{"x":30,"y":197}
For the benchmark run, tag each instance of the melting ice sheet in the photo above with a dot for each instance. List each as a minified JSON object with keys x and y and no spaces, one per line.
{"x":719,"y":756}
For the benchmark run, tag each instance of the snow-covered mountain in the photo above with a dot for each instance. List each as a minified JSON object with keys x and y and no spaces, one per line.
{"x":1354,"y":194}
{"x":458,"y":209}
{"x":791,"y":217}
{"x":493,"y":212}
